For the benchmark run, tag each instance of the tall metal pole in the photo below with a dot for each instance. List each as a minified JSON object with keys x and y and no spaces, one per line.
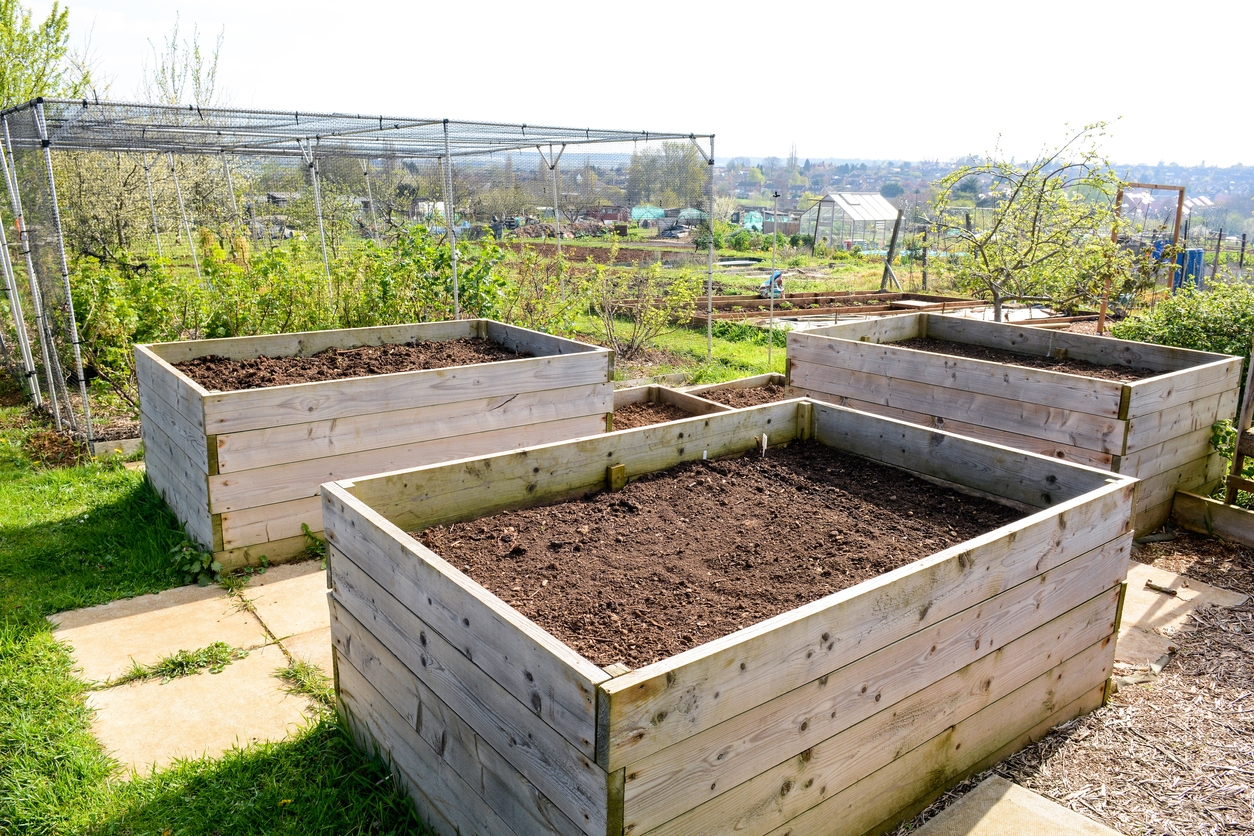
{"x":322,"y":233}
{"x":230,"y":188}
{"x":72,"y":334}
{"x":30,"y":381}
{"x":187,"y":228}
{"x":42,"y":327}
{"x":1214,"y":270}
{"x":374,"y":217}
{"x":557,"y":212}
{"x":770,"y":333}
{"x":448,"y":220}
{"x":709,"y":277}
{"x":152,"y":206}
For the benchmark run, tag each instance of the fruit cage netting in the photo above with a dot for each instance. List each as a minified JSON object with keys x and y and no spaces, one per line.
{"x":91,"y":178}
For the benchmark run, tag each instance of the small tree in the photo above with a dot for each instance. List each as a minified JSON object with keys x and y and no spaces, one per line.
{"x":639,"y":306}
{"x":1049,"y":234}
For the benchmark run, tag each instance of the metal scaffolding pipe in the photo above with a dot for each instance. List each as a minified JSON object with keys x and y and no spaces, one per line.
{"x":449,"y":222}
{"x":187,"y":228}
{"x":152,"y":206}
{"x":72,"y":325}
{"x":374,"y":217}
{"x":230,"y":189}
{"x":311,"y":159}
{"x":42,"y":327}
{"x":29,"y":379}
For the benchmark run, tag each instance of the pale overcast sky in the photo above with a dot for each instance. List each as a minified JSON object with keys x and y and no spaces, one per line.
{"x":905,"y":80}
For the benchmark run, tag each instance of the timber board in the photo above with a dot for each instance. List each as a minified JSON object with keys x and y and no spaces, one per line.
{"x":1213,"y":518}
{"x":264,"y":523}
{"x":1155,"y":394}
{"x":1180,"y":419}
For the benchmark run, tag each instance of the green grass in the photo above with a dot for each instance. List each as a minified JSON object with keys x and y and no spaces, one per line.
{"x":85,"y":535}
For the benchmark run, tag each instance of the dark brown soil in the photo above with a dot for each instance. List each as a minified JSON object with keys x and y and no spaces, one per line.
{"x":222,"y":375}
{"x":1222,"y":564}
{"x":737,"y":398}
{"x":680,"y":558}
{"x":49,"y":448}
{"x":1031,"y":361}
{"x":644,"y":414}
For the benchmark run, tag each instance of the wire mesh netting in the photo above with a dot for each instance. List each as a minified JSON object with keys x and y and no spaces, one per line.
{"x":148,"y":186}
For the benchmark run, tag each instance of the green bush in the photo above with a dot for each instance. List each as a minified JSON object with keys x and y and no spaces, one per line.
{"x":1218,"y":319}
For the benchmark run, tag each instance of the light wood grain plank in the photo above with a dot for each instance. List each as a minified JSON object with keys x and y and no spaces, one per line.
{"x":656,"y":706}
{"x":759,"y":806}
{"x":1150,"y":461}
{"x":889,"y":329}
{"x":1158,"y":393}
{"x":525,"y":340}
{"x":1186,"y":477}
{"x":543,"y":674}
{"x":171,"y":488}
{"x":189,"y":438}
{"x":273,"y":552}
{"x":319,"y":439}
{"x":1029,"y":443}
{"x":757,"y":381}
{"x":1213,"y":518}
{"x":263,"y":523}
{"x":503,"y":788}
{"x":301,"y":403}
{"x":295,"y":480}
{"x":1001,"y":471}
{"x":1061,"y":391}
{"x":1077,"y":429}
{"x":166,"y":382}
{"x":435,"y":786}
{"x":570,"y":780}
{"x":918,"y":686}
{"x":1180,"y":419}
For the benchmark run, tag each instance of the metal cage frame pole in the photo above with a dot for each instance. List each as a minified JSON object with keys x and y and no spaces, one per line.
{"x":311,"y":159}
{"x":230,"y":189}
{"x":42,"y":328}
{"x":187,"y":227}
{"x":770,"y":292}
{"x":449,"y":221}
{"x":551,"y":161}
{"x":65,"y":278}
{"x":374,"y":217}
{"x":709,"y":276}
{"x":30,"y":380}
{"x":152,"y":205}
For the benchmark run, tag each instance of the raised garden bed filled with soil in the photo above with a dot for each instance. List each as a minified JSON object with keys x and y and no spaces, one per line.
{"x":239,"y":433}
{"x":1132,"y":408}
{"x":795,"y":670}
{"x":641,"y":406}
{"x":746,"y":391}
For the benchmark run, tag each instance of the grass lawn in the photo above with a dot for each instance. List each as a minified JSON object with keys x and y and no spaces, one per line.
{"x":76,"y":536}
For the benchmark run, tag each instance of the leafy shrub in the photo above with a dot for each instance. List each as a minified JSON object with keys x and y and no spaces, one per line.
{"x":1219,"y":319}
{"x":544,"y":295}
{"x":742,"y":332}
{"x":635,"y":307}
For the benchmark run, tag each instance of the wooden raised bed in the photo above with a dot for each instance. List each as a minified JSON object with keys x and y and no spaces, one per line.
{"x":241,"y":469}
{"x":655,"y":394}
{"x":755,"y":382}
{"x":1156,"y":429}
{"x":814,"y":304}
{"x":839,"y":717}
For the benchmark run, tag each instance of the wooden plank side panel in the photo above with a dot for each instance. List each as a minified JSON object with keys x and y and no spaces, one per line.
{"x":1158,"y":393}
{"x":457,"y":491}
{"x":538,"y":343}
{"x":540,"y":672}
{"x":656,"y":706}
{"x":189,"y":438}
{"x":302,"y":403}
{"x":1061,"y":391}
{"x":263,"y":523}
{"x":689,"y":403}
{"x":1002,"y":471}
{"x":997,"y":731}
{"x":1186,"y":477}
{"x":924,"y":681}
{"x":1029,"y":443}
{"x":172,"y":490}
{"x":320,"y":439}
{"x":305,"y":343}
{"x":1180,"y":419}
{"x":1165,"y":455}
{"x":163,"y":380}
{"x":569,"y":779}
{"x":887,"y":329}
{"x":295,"y":480}
{"x":757,"y":381}
{"x":1207,"y":516}
{"x":758,"y":806}
{"x":1077,"y":429}
{"x":443,"y":799}
{"x":507,"y":791}
{"x":1105,"y":351}
{"x":273,"y":552}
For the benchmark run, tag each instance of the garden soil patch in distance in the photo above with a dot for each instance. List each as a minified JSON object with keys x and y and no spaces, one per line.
{"x":738,"y":398}
{"x":685,"y":556}
{"x":218,"y":374}
{"x":1065,"y":365}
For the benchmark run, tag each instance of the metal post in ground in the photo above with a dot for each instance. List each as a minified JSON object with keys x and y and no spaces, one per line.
{"x":152,"y":205}
{"x":1241,"y":262}
{"x":770,"y":332}
{"x":374,"y":217}
{"x":30,"y":381}
{"x":230,"y":189}
{"x":551,"y":161}
{"x":187,"y":228}
{"x":709,"y":276}
{"x":1214,"y":268}
{"x":449,"y":220}
{"x":42,"y":328}
{"x":310,"y":155}
{"x":72,"y":325}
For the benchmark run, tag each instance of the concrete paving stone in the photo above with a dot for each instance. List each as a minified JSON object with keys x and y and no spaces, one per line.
{"x":1140,"y":647}
{"x":998,"y":807}
{"x":104,"y":639}
{"x":291,"y":599}
{"x":148,"y":723}
{"x":1155,"y":610}
{"x":312,"y":646}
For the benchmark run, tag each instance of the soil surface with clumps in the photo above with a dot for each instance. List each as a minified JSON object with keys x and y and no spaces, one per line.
{"x":737,"y":398}
{"x":682,"y":557}
{"x":1031,"y":361}
{"x":635,"y":415}
{"x":218,"y":374}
